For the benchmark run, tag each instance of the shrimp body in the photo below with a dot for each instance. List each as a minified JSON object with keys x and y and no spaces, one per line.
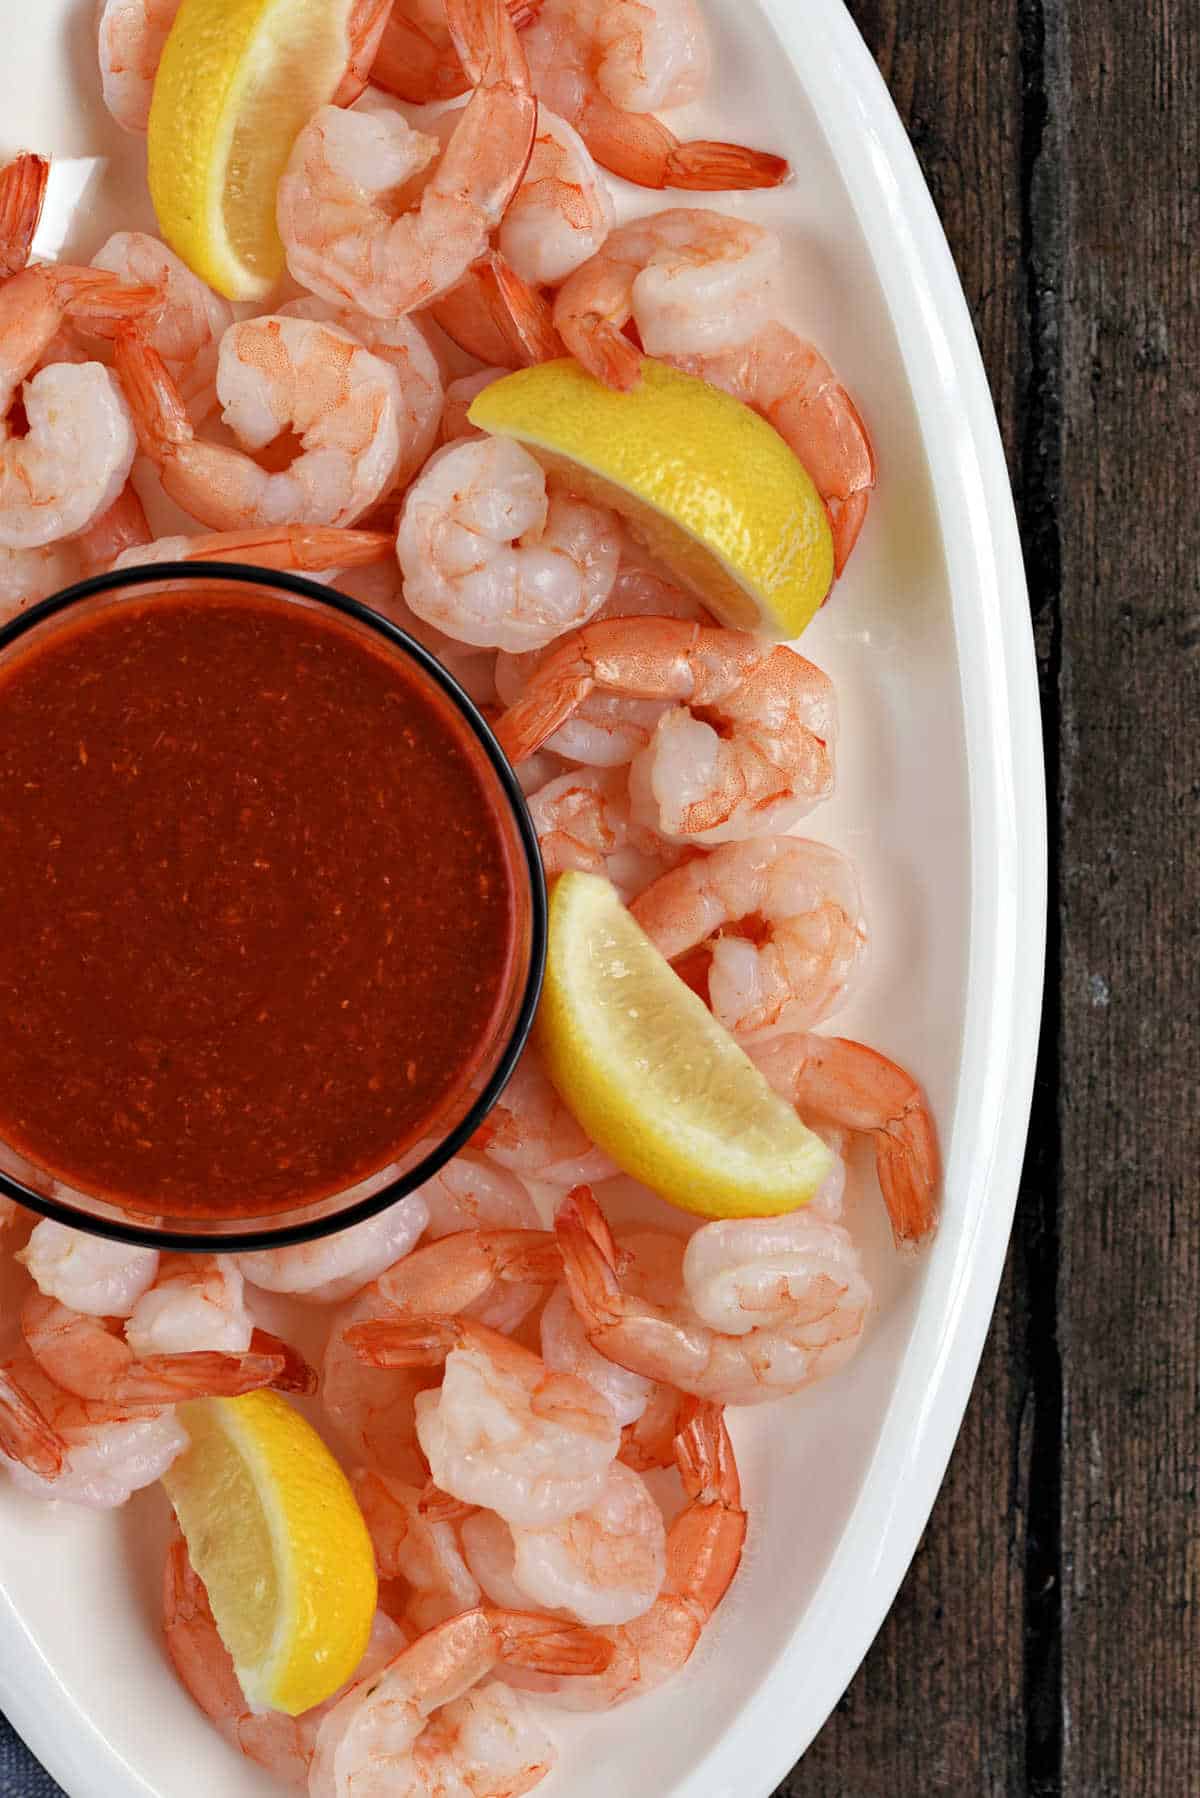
{"x":311,"y":549}
{"x":807,"y":940}
{"x":583,"y":820}
{"x":197,"y":1302}
{"x":604,"y":1564}
{"x":88,"y":1273}
{"x":418,"y":1730}
{"x":692,"y":783}
{"x":416,"y":59}
{"x":131,"y":38}
{"x":372,"y":1408}
{"x":530,"y":1132}
{"x":343,"y":241}
{"x":458,"y":1273}
{"x":605,"y":66}
{"x":189,"y":326}
{"x":420,"y":1550}
{"x":337,"y":1266}
{"x":471,"y":1193}
{"x":847,"y":1084}
{"x":109,"y":1451}
{"x":274,"y":374}
{"x":492,"y":558}
{"x":693,"y":281}
{"x":403,"y":346}
{"x":790,"y":383}
{"x":794,"y":1292}
{"x":502,"y":1431}
{"x":703,"y":1553}
{"x":562,"y":212}
{"x":566,"y":1349}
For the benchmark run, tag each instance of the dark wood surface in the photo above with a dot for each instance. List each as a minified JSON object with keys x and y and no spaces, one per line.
{"x":1047,"y":1639}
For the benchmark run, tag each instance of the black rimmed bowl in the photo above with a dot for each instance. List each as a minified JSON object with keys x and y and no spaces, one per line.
{"x":475,"y":1089}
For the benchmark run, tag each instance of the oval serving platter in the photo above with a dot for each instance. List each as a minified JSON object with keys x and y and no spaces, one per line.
{"x":939,"y":800}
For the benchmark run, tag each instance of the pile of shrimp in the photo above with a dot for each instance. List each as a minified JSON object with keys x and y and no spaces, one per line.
{"x":502,"y":1368}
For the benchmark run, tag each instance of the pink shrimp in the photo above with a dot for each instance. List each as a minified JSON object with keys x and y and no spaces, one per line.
{"x":532,"y":1133}
{"x":416,"y":59}
{"x":456,"y":1274}
{"x":22,"y":196}
{"x":847,"y":1084}
{"x":773,"y":762}
{"x":606,"y":65}
{"x":412,"y":1546}
{"x":373,"y":1409}
{"x":583,"y":820}
{"x":497,"y":317}
{"x":109,"y":1450}
{"x":309,"y":549}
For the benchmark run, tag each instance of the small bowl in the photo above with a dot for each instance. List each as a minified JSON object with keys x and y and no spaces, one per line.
{"x":469,"y":1104}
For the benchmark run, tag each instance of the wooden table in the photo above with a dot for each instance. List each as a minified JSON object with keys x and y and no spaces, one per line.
{"x":1046,"y":1640}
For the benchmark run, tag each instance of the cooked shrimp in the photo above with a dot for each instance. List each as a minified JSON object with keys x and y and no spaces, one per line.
{"x":88,"y":1357}
{"x":605,"y":67}
{"x":344,"y":243}
{"x":403,"y":346}
{"x":460,"y":393}
{"x":583,"y":820}
{"x":274,"y":374}
{"x":703,"y":1553}
{"x":88,"y":1273}
{"x":562,"y":211}
{"x":373,"y":1409}
{"x":384,"y":1735}
{"x":379,"y":585}
{"x":566,"y":1349}
{"x":502,"y":1430}
{"x":793,"y":1303}
{"x":417,"y":60}
{"x":123,"y":527}
{"x":132,"y":34}
{"x":693,"y":281}
{"x":25,"y":1435}
{"x":30,"y":575}
{"x":22,"y":196}
{"x":335,"y":1267}
{"x":604,"y":1564}
{"x":282,"y":1744}
{"x":804,"y":938}
{"x":470,"y":1193}
{"x":498,"y":317}
{"x":188,"y":328}
{"x":80,"y":445}
{"x":311,"y":549}
{"x":420,"y":1550}
{"x":693,"y":784}
{"x":790,"y":383}
{"x":491,"y":556}
{"x":109,"y":1451}
{"x":847,"y":1084}
{"x":196,"y":1302}
{"x":494,"y":1276}
{"x":365,"y":27}
{"x":532,"y":1133}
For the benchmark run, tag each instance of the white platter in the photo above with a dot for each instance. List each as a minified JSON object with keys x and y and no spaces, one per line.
{"x":940,"y":800}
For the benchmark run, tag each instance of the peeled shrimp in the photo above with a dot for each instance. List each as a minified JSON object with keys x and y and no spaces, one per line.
{"x":312,"y":549}
{"x":460,"y":1274}
{"x":188,"y":327}
{"x":469,"y":1193}
{"x":790,"y":383}
{"x":694,"y":281}
{"x":335,"y":1267}
{"x":372,"y":1408}
{"x":566,"y":1349}
{"x":86,"y":1356}
{"x":196,"y":1302}
{"x":418,"y":1729}
{"x":132,"y":34}
{"x":502,"y":1430}
{"x":403,"y":346}
{"x":562,"y":211}
{"x":849,"y":1085}
{"x":531,"y":1132}
{"x":283,"y":1745}
{"x":417,"y":60}
{"x":109,"y":1451}
{"x":418,"y":1549}
{"x":693,"y":784}
{"x":491,"y":557}
{"x":80,"y":445}
{"x":583,"y":820}
{"x":22,"y":195}
{"x":784,"y":1302}
{"x":604,"y":1564}
{"x":805,"y":937}
{"x":344,"y":243}
{"x":88,"y":1273}
{"x":605,"y":67}
{"x":460,"y":393}
{"x":703,"y":1553}
{"x":273,"y":374}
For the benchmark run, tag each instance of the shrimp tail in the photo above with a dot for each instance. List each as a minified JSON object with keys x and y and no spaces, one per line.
{"x":381,"y":1343}
{"x":544,"y":1646}
{"x":443,"y":1507}
{"x":540,"y":711}
{"x":124,"y":526}
{"x":496,"y":316}
{"x":907,"y":1163}
{"x":22,"y":195}
{"x":846,"y":518}
{"x":526,"y":313}
{"x":368,"y":22}
{"x":605,"y":352}
{"x":486,"y":41}
{"x":643,"y":150}
{"x":588,"y":1259}
{"x":204,"y":1373}
{"x":103,"y":297}
{"x":25,"y":1435}
{"x":295,"y":1374}
{"x":704,"y":1545}
{"x":311,"y":548}
{"x":415,"y":67}
{"x":159,"y":414}
{"x":705,"y":166}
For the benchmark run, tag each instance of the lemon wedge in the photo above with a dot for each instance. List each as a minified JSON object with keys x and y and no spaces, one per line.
{"x":237,"y":80}
{"x":705,"y":482}
{"x":651,"y":1075}
{"x":275,"y":1532}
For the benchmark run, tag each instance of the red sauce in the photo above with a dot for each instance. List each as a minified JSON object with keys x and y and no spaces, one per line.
{"x":257,"y":914}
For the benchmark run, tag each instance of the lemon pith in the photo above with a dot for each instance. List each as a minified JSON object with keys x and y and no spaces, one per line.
{"x":711,"y":488}
{"x":236,"y":82}
{"x":654,"y":1078}
{"x":275,"y":1532}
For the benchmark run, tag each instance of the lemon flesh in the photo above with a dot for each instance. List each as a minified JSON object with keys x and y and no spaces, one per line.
{"x":654,"y":1078}
{"x":237,"y":81}
{"x":705,"y":482}
{"x":275,"y":1532}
